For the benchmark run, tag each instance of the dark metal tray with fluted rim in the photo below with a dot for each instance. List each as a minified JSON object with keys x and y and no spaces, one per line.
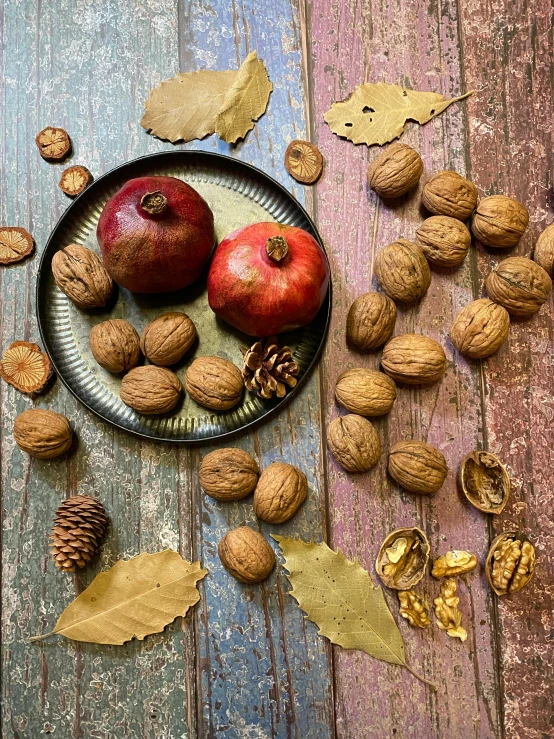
{"x":238,"y":194}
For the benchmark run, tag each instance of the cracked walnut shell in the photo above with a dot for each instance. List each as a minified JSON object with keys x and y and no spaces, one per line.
{"x":370,"y":321}
{"x":166,"y":339}
{"x":281,"y":490}
{"x":417,"y":467}
{"x":396,"y":171}
{"x":115,"y":345}
{"x":414,"y":359}
{"x":403,"y":558}
{"x":303,"y":161}
{"x":354,"y":443}
{"x":480,"y":329}
{"x":81,"y":275}
{"x":414,"y":609}
{"x":445,"y":241}
{"x":365,"y":392}
{"x":520,"y":285}
{"x":15,"y":244}
{"x":403,"y":271}
{"x":485,"y":481}
{"x":151,"y":390}
{"x":246,"y":555}
{"x":449,"y":194}
{"x":228,"y":474}
{"x":499,"y":221}
{"x":449,"y":617}
{"x":53,"y":144}
{"x":510,"y":562}
{"x":544,"y":250}
{"x":454,"y":563}
{"x":42,"y":434}
{"x":25,"y":367}
{"x":214,"y":382}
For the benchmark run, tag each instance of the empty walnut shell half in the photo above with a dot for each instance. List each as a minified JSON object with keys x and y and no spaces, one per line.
{"x":417,"y":466}
{"x":510,"y":562}
{"x":403,"y":558}
{"x":228,"y":474}
{"x":25,"y":367}
{"x":303,"y":161}
{"x":485,"y":482}
{"x":246,"y":555}
{"x":499,"y":221}
{"x":365,"y":392}
{"x":370,"y":321}
{"x":281,"y":490}
{"x":166,"y":339}
{"x":403,"y":271}
{"x":354,"y":443}
{"x":520,"y":285}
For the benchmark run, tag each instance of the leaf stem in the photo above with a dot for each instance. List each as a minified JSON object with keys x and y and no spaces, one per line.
{"x":44,"y":636}
{"x":420,"y":677}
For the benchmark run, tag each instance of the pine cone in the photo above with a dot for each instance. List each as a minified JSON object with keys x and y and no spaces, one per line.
{"x":78,"y":529}
{"x":268,"y":368}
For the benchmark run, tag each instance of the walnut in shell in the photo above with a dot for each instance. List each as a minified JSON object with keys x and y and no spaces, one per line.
{"x":396,"y":171}
{"x":228,"y":474}
{"x":81,"y":275}
{"x":365,"y":392}
{"x":53,"y":144}
{"x":166,"y":339}
{"x":445,"y":241}
{"x":417,"y":466}
{"x":25,"y":367}
{"x":42,"y":434}
{"x":115,"y":345}
{"x":15,"y":244}
{"x":403,"y":271}
{"x":151,"y":390}
{"x":354,"y":443}
{"x":449,"y":194}
{"x":403,"y":558}
{"x":414,"y":609}
{"x":454,"y":563}
{"x":544,"y":250}
{"x":246,"y":555}
{"x":303,"y":161}
{"x":281,"y":490}
{"x":480,"y":329}
{"x":520,"y":285}
{"x":74,"y":180}
{"x":414,"y":359}
{"x":449,"y":617}
{"x":485,"y":481}
{"x":499,"y":221}
{"x":214,"y":382}
{"x":510,"y":562}
{"x":370,"y":321}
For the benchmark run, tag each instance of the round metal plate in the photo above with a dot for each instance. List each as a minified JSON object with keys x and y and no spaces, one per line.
{"x":238,"y":194}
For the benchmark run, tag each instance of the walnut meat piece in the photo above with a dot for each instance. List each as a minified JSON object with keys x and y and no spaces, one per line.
{"x":25,"y":367}
{"x":520,"y":285}
{"x":510,"y":562}
{"x":454,"y":563}
{"x":414,"y":609}
{"x":445,"y":241}
{"x":15,"y":244}
{"x":499,"y":221}
{"x":80,"y":274}
{"x":42,"y":434}
{"x":115,"y":345}
{"x":281,"y":490}
{"x":403,"y":271}
{"x":544,"y":250}
{"x":354,"y":443}
{"x":228,"y":474}
{"x":414,"y":359}
{"x":403,"y":558}
{"x":214,"y":382}
{"x":370,"y":321}
{"x":365,"y":392}
{"x":53,"y":144}
{"x":396,"y":171}
{"x":485,"y":481}
{"x":166,"y":339}
{"x":449,"y":617}
{"x":417,"y":466}
{"x":449,"y":194}
{"x":151,"y":390}
{"x":246,"y":555}
{"x":480,"y":329}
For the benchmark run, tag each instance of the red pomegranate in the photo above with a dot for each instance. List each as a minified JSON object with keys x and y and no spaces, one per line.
{"x":268,"y":278}
{"x":156,"y":234}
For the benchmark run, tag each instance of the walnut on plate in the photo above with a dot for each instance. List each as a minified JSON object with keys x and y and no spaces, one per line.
{"x":166,"y":339}
{"x":115,"y":345}
{"x":151,"y":390}
{"x":214,"y":383}
{"x":81,"y":275}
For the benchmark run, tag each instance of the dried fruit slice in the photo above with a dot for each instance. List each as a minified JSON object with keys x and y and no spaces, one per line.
{"x":53,"y":143}
{"x":74,"y":180}
{"x":303,"y":161}
{"x":25,"y":367}
{"x":15,"y":244}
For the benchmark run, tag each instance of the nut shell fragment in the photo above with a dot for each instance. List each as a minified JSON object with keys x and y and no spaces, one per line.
{"x":449,"y":194}
{"x":15,"y":244}
{"x":480,"y":328}
{"x":396,"y":171}
{"x":544,"y":250}
{"x":228,"y":474}
{"x":214,"y":382}
{"x":403,"y":558}
{"x":365,"y":392}
{"x":53,"y":144}
{"x":403,"y":271}
{"x":42,"y":434}
{"x":520,"y":285}
{"x":354,"y":443}
{"x":485,"y":481}
{"x":25,"y":367}
{"x":414,"y":609}
{"x":151,"y":390}
{"x":166,"y":339}
{"x":417,"y":466}
{"x":414,"y":359}
{"x":81,"y":275}
{"x":303,"y":161}
{"x":281,"y":490}
{"x":445,"y":241}
{"x":449,"y":617}
{"x":115,"y":345}
{"x":499,"y":221}
{"x":510,"y":562}
{"x":74,"y":180}
{"x":370,"y":321}
{"x":454,"y":563}
{"x":246,"y":555}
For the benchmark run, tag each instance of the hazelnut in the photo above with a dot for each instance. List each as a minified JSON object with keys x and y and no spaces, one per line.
{"x":445,"y":241}
{"x":449,"y":194}
{"x":370,"y":321}
{"x":365,"y":392}
{"x":417,"y":467}
{"x":403,"y":271}
{"x":281,"y":490}
{"x":42,"y":434}
{"x":414,"y":359}
{"x":403,"y":558}
{"x":151,"y":390}
{"x":510,"y":563}
{"x":544,"y":250}
{"x":396,"y":171}
{"x":214,"y":382}
{"x":485,"y":481}
{"x":115,"y":345}
{"x":228,"y":474}
{"x":499,"y":221}
{"x":246,"y":555}
{"x":354,"y":443}
{"x":520,"y":285}
{"x":480,"y":329}
{"x":81,"y":275}
{"x":166,"y":339}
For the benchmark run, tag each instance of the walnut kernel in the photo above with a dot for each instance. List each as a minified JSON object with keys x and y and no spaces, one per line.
{"x":510,"y":562}
{"x":454,"y":563}
{"x":414,"y":609}
{"x":449,"y":617}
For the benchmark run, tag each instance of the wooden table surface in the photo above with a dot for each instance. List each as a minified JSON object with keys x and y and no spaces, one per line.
{"x":245,"y":663}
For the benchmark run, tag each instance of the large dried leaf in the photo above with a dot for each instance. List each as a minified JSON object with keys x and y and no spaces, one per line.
{"x":134,"y":598}
{"x":340,"y":598}
{"x":377,"y":113}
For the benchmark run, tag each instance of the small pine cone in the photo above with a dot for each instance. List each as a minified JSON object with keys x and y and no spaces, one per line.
{"x":268,"y":368}
{"x":79,"y":527}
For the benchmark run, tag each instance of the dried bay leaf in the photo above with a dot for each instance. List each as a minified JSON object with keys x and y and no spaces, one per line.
{"x":134,"y":598}
{"x":377,"y":113}
{"x":340,"y":598}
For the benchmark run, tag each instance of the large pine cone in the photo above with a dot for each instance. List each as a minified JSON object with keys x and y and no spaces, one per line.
{"x":268,"y":368}
{"x":78,"y":529}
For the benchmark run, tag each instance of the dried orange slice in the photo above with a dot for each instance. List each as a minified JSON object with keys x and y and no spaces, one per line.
{"x":25,"y":367}
{"x":303,"y":161}
{"x":15,"y":244}
{"x":53,"y":143}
